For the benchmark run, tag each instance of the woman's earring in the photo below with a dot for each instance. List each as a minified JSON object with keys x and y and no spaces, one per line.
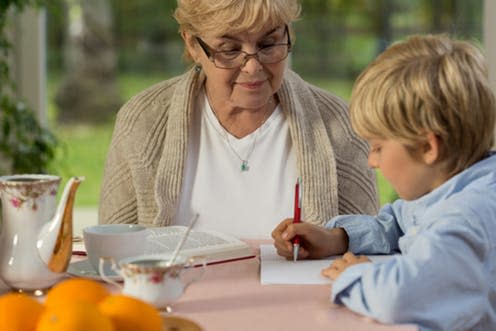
{"x":198,"y":68}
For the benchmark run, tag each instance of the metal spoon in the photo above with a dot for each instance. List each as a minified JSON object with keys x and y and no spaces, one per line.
{"x":183,"y":240}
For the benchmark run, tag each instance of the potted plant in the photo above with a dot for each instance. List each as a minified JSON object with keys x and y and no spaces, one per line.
{"x":25,"y":146}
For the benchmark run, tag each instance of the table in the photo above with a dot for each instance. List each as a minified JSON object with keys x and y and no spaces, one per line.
{"x":230,"y":297}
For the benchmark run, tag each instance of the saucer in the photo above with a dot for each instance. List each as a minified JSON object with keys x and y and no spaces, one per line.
{"x":84,"y":269}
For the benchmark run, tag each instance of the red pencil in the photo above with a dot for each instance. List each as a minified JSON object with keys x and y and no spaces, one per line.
{"x":296,"y":218}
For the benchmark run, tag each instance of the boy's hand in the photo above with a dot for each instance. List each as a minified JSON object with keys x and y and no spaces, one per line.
{"x":340,"y":265}
{"x":315,"y":241}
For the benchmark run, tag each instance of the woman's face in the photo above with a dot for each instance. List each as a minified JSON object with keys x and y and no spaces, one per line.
{"x":248,"y":86}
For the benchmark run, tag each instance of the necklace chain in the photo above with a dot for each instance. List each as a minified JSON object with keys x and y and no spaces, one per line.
{"x":244,"y":161}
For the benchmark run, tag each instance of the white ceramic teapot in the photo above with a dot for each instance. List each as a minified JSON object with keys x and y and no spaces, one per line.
{"x":35,"y":235}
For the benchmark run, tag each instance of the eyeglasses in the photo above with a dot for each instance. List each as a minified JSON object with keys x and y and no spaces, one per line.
{"x":235,"y":59}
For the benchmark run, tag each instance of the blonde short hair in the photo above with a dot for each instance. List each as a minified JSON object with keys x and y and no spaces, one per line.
{"x":426,"y":84}
{"x":220,"y":17}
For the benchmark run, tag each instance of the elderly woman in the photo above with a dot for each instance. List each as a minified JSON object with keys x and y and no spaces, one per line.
{"x":228,"y":138}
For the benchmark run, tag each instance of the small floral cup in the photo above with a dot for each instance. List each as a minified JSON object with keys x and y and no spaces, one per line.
{"x":151,"y":278}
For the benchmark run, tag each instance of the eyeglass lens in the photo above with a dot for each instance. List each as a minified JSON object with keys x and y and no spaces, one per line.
{"x":232,"y":59}
{"x":268,"y":55}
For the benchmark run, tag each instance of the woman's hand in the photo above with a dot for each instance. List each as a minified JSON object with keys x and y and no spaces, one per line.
{"x":315,"y":241}
{"x":340,"y":265}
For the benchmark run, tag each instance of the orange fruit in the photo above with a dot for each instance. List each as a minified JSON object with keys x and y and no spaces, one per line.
{"x":74,"y":316}
{"x":19,"y":312}
{"x":76,"y":289}
{"x":131,"y":314}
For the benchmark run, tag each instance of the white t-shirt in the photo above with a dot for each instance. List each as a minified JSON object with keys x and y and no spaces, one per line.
{"x":246,"y":204}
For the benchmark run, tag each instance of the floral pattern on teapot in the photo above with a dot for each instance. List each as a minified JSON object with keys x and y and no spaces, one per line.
{"x":24,"y":194}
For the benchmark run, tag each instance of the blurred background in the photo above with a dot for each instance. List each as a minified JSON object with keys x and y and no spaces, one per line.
{"x":99,"y":53}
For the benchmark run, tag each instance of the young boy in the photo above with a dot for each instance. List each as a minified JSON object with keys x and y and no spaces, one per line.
{"x":426,"y":109}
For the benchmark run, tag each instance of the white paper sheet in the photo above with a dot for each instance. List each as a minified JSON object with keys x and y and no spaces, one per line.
{"x":277,"y":270}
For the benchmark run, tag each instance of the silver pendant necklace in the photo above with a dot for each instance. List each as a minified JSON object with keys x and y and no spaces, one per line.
{"x":245,"y":166}
{"x":244,"y":161}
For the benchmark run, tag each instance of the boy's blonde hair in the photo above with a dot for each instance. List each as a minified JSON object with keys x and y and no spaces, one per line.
{"x":428,"y":84}
{"x":220,"y":17}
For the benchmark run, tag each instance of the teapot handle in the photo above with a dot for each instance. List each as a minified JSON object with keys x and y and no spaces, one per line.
{"x":101,"y":270}
{"x":195,"y":262}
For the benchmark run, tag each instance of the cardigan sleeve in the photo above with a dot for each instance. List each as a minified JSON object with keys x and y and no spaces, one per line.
{"x":117,"y":196}
{"x":356,"y":181}
{"x":143,"y":171}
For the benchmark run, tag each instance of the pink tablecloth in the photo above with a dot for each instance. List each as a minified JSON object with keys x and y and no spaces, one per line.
{"x":230,"y":297}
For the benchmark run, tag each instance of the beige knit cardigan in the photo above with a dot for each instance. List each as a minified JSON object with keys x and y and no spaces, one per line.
{"x":145,"y":162}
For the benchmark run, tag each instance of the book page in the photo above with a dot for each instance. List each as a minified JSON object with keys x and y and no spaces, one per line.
{"x":277,"y":270}
{"x":214,"y":245}
{"x":162,"y":240}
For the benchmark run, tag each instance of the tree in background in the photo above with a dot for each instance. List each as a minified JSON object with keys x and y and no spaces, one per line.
{"x":88,"y":92}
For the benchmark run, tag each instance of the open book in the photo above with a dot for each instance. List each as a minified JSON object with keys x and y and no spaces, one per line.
{"x":216,"y":247}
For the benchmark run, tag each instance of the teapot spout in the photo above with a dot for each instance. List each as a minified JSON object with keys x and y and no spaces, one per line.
{"x":55,"y":244}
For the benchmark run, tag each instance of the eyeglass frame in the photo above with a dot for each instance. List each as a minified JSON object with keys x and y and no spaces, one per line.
{"x":210,"y":52}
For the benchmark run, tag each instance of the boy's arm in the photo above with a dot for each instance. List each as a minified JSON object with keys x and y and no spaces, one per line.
{"x":371,"y":234}
{"x":439,"y":283}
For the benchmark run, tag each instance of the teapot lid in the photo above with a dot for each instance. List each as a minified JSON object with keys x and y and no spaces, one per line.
{"x":15,"y":180}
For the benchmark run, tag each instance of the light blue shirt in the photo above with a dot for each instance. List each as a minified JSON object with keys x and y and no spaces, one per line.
{"x":445,"y":277}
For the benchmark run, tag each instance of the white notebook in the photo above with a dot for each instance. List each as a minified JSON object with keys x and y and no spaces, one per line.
{"x":277,"y":270}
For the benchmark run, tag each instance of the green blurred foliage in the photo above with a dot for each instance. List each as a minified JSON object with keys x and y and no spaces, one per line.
{"x":25,"y":145}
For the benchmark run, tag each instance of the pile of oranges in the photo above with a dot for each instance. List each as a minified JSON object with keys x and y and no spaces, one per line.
{"x":77,"y":304}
